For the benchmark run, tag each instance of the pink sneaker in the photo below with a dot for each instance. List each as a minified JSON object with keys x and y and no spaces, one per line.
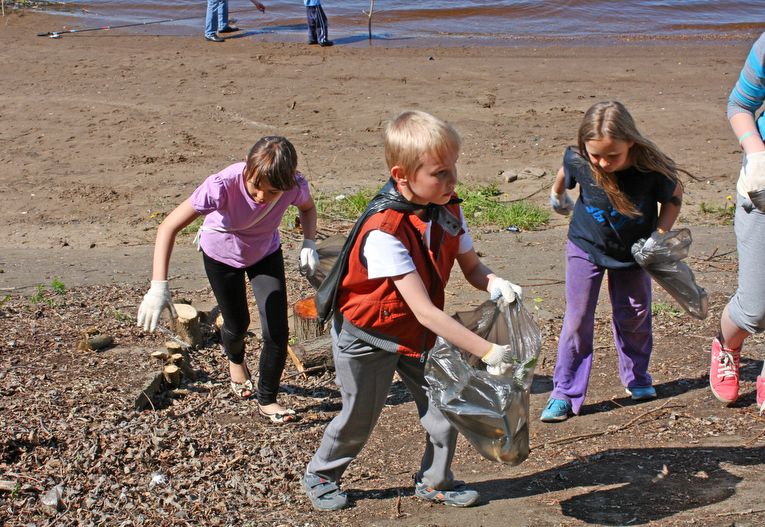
{"x":723,"y":372}
{"x":761,"y":393}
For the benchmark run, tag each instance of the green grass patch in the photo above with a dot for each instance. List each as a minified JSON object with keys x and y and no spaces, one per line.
{"x":481,"y":206}
{"x":665,"y":309}
{"x":58,"y":286}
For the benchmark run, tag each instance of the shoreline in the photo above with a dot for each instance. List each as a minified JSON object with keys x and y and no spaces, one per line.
{"x":292,"y":30}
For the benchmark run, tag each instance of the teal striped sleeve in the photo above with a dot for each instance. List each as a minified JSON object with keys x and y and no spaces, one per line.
{"x":749,"y":93}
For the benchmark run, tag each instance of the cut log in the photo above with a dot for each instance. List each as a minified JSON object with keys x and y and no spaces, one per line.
{"x":305,"y":320}
{"x":160,"y":355}
{"x":152,"y":386}
{"x":172,"y":347}
{"x":187,"y":325}
{"x":172,"y":375}
{"x":312,"y":356}
{"x":94,"y":342}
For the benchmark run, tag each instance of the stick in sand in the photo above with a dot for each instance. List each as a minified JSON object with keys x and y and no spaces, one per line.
{"x":369,"y":16}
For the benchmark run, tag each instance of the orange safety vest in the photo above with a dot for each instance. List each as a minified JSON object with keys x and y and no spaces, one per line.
{"x":374,"y":306}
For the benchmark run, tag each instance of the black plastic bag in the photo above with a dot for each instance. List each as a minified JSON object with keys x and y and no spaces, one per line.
{"x":664,"y":263}
{"x":491,"y":411}
{"x":328,"y":249}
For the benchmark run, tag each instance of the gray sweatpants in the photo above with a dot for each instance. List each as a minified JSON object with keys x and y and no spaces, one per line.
{"x":364,"y":376}
{"x":747,"y":307}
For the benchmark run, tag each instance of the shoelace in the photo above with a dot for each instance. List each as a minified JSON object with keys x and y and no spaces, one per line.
{"x":727,"y":365}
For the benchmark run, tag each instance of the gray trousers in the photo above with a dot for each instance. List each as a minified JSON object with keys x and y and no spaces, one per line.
{"x":747,"y":307}
{"x":364,"y":376}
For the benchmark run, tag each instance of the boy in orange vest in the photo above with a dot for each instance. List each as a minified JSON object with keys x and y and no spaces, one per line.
{"x":388,"y":309}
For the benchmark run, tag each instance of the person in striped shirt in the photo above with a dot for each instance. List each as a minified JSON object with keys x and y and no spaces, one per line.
{"x":745,"y":312}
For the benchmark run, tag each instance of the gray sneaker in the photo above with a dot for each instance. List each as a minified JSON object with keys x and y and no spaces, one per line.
{"x":459,"y":495}
{"x":324,"y":494}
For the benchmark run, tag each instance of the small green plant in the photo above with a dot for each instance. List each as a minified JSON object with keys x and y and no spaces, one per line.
{"x":16,"y":490}
{"x":344,"y":206}
{"x":193,"y":227}
{"x":725,"y":212}
{"x":58,"y":286}
{"x":4,"y":300}
{"x":39,"y":294}
{"x":665,"y":309}
{"x":123,"y":317}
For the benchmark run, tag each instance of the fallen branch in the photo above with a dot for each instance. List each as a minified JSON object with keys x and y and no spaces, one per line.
{"x":195,"y":407}
{"x":540,"y":189}
{"x":606,"y":432}
{"x":542,"y":282}
{"x":756,"y":438}
{"x":741,"y":513}
{"x":715,"y":255}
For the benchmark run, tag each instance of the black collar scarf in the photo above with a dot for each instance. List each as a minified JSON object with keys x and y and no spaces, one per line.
{"x":388,"y":197}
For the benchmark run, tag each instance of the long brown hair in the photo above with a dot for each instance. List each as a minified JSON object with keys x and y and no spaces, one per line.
{"x":273,"y":159}
{"x":612,"y":120}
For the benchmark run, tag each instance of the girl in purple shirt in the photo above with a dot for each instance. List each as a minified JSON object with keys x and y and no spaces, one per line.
{"x":243,"y":206}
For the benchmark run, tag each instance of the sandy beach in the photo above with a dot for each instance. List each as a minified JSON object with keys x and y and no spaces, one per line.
{"x":106,"y":132}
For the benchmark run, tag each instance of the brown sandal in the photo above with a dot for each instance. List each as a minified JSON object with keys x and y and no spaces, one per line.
{"x":285,"y":416}
{"x":243,"y":390}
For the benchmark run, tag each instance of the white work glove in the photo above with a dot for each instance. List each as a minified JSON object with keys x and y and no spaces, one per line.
{"x":309,"y":258}
{"x":496,"y":358}
{"x":650,"y":244}
{"x":561,"y":203}
{"x":154,"y":302}
{"x":501,"y":288}
{"x":754,"y":182}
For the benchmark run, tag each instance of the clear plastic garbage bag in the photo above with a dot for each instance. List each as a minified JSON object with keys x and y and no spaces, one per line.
{"x":664,"y":263}
{"x":492,"y":412}
{"x":328,"y":249}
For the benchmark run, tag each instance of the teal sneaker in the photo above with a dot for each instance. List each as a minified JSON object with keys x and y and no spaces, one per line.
{"x":324,"y":494}
{"x":641,"y":393}
{"x":459,"y":495}
{"x":557,"y":410}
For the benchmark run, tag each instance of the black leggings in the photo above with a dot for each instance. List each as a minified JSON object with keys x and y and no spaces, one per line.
{"x":269,"y":286}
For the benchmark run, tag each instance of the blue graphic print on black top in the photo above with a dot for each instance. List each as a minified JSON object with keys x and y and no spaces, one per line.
{"x":596,"y":227}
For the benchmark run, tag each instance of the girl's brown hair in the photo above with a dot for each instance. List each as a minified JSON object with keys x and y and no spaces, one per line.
{"x":612,"y":120}
{"x":272,"y":159}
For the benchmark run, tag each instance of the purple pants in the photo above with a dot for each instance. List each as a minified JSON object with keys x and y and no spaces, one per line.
{"x":630,"y":293}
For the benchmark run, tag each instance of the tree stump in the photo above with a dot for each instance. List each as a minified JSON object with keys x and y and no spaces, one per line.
{"x":314,"y":355}
{"x":305,"y":320}
{"x":180,"y":357}
{"x":152,"y":386}
{"x":172,"y":375}
{"x":187,"y":325}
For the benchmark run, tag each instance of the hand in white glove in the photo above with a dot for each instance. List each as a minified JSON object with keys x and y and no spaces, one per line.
{"x":309,"y":258}
{"x":508,"y":291}
{"x":154,"y":302}
{"x":652,"y":243}
{"x":754,"y":169}
{"x":496,"y":356}
{"x":561,"y":203}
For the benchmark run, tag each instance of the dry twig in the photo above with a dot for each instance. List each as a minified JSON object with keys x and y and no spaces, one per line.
{"x":609,"y":431}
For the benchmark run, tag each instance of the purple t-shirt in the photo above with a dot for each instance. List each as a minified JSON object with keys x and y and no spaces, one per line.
{"x":228,"y":234}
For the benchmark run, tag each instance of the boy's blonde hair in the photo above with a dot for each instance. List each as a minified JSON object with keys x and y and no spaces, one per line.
{"x":612,"y":120}
{"x":272,"y":159}
{"x":414,"y":133}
